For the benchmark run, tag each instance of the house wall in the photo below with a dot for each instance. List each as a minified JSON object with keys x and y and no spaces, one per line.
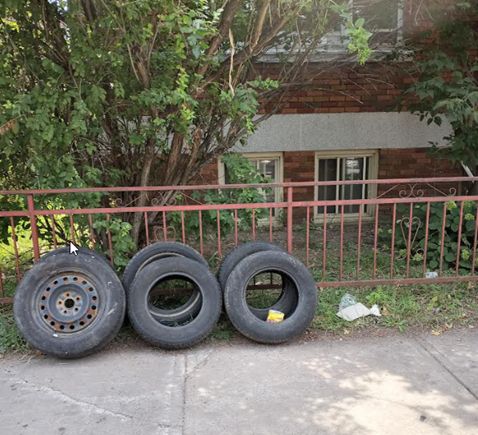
{"x":392,"y":163}
{"x":345,"y":106}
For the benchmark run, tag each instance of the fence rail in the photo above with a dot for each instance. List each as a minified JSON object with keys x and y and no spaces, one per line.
{"x":390,"y":231}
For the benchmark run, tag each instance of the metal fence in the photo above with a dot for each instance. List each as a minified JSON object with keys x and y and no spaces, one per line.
{"x":350,"y":233}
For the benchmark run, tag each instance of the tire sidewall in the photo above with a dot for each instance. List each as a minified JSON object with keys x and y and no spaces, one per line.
{"x":81,"y":251}
{"x":238,"y":254}
{"x":154,"y":252}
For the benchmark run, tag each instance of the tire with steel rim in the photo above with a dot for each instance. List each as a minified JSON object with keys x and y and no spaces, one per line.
{"x":295,"y":273}
{"x":158,"y":251}
{"x":69,"y":306}
{"x":153,"y":327}
{"x":287,"y":299}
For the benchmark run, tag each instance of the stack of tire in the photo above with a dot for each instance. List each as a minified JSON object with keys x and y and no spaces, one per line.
{"x":70,"y":306}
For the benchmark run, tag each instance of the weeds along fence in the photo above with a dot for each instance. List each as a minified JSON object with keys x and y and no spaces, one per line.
{"x":350,"y":233}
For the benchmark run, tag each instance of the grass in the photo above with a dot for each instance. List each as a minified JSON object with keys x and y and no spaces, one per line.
{"x":223,"y":331}
{"x":10,"y":338}
{"x":433,"y":307}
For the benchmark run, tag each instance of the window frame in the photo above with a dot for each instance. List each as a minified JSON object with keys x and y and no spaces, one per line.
{"x":371,"y":173}
{"x":278,"y":192}
{"x":340,"y":35}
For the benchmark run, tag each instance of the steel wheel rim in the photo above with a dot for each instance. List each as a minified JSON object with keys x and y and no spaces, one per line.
{"x":68,"y":303}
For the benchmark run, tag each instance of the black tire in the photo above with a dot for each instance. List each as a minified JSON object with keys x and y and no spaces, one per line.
{"x":287,"y":300}
{"x":239,"y":253}
{"x":69,"y":306}
{"x":149,"y":327}
{"x":81,"y":251}
{"x":250,"y":325}
{"x":155,"y":252}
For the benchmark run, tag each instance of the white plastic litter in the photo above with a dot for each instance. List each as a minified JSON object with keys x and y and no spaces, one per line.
{"x":431,"y":275}
{"x":375,"y":311}
{"x":347,"y":300}
{"x":353,"y":312}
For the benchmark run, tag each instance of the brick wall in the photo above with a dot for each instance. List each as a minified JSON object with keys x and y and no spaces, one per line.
{"x":208,"y":174}
{"x":299,"y":166}
{"x":372,"y":88}
{"x":414,"y":163}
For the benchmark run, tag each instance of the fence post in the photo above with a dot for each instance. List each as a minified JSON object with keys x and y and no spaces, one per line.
{"x":289,"y":219}
{"x":33,"y":225}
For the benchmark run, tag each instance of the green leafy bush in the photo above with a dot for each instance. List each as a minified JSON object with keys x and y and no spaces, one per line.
{"x":452,"y":229}
{"x":58,"y":229}
{"x":239,"y":171}
{"x":446,"y":88}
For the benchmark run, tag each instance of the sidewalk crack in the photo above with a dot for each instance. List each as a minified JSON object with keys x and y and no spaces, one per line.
{"x":426,"y":347}
{"x":57,"y":394}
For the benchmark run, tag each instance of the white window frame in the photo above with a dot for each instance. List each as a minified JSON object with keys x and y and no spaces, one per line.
{"x":370,"y":173}
{"x":255,"y":156}
{"x":278,"y":192}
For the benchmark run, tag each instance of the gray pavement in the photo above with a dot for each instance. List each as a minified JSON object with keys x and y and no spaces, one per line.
{"x":417,"y":384}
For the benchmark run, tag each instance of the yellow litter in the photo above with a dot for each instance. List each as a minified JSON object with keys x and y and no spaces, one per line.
{"x":275,"y":316}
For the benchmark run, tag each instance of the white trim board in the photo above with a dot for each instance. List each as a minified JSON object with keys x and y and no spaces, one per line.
{"x":340,"y":131}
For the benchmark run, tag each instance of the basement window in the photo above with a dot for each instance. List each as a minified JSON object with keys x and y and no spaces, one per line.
{"x":345,"y":166}
{"x":269,"y":165}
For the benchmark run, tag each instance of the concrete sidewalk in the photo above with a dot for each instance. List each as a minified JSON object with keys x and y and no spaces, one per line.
{"x":386,"y":385}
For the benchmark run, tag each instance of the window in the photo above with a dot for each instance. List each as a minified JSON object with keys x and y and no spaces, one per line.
{"x":384,"y":18}
{"x":341,"y":166}
{"x":269,"y":165}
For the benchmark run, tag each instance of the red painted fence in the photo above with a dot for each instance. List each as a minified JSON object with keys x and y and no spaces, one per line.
{"x":350,"y":233}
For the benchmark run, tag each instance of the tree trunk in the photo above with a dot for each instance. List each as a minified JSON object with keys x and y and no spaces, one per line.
{"x":143,"y":196}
